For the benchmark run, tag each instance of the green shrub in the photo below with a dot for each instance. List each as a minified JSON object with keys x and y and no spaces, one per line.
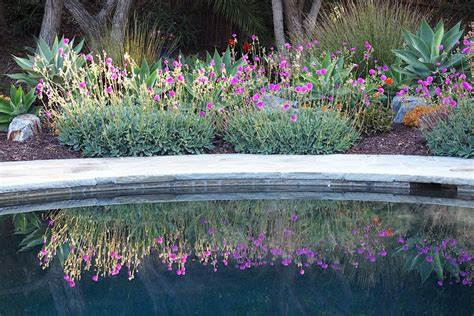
{"x":379,"y":22}
{"x":313,"y":132}
{"x":453,"y":134}
{"x":374,"y":118}
{"x":124,"y":130}
{"x":19,"y":103}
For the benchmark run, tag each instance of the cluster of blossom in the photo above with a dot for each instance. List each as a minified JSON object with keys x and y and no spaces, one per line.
{"x":205,"y":87}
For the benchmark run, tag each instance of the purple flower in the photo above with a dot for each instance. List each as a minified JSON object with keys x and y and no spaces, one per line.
{"x":293,"y":117}
{"x":95,"y":278}
{"x":109,"y":89}
{"x":294,"y":218}
{"x":372,"y":72}
{"x":429,"y":258}
{"x":260,"y":104}
{"x":466,"y":86}
{"x":441,"y":47}
{"x":66,"y":41}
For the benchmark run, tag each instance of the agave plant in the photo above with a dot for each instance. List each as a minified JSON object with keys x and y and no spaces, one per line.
{"x":430,"y":50}
{"x":18,"y":103}
{"x":46,"y":57}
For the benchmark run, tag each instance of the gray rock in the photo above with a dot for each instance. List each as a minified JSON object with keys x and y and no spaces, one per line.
{"x":404,"y":104}
{"x":275,"y":103}
{"x":23,"y":127}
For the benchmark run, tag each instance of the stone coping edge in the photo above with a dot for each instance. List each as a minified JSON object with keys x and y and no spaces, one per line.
{"x":61,"y":179}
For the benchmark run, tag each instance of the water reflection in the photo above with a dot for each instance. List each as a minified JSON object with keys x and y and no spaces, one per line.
{"x":361,"y":241}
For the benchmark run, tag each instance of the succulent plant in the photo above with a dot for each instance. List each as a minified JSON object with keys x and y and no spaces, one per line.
{"x":18,"y":103}
{"x":430,"y":50}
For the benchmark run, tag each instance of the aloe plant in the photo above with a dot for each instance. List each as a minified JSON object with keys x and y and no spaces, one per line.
{"x":430,"y":50}
{"x":18,"y":103}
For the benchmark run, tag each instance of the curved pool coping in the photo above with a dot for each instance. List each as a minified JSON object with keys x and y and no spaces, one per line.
{"x":58,"y":180}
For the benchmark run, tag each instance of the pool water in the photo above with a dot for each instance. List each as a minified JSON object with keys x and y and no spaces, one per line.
{"x":272,"y":257}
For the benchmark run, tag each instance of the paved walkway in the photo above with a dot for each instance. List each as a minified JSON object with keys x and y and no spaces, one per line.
{"x":215,"y":170}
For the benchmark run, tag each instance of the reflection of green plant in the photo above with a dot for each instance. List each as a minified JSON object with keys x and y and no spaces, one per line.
{"x":311,"y":131}
{"x":440,"y":257}
{"x":30,"y":225}
{"x":430,"y":50}
{"x":19,"y":103}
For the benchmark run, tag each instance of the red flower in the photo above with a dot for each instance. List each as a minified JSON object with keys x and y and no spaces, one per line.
{"x":246,"y":47}
{"x":231,"y":42}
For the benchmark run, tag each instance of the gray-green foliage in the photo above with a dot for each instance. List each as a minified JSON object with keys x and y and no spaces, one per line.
{"x":114,"y":131}
{"x":314,"y":132}
{"x":454,"y":135}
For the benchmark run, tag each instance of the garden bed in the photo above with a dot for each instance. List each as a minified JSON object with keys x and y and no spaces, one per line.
{"x":401,"y":140}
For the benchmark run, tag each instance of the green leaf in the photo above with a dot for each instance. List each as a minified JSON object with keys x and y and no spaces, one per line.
{"x":437,"y":40}
{"x":426,"y":32}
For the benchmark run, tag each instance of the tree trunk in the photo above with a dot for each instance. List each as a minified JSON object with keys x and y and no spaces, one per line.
{"x":51,"y":20}
{"x":120,"y":20}
{"x":293,"y":20}
{"x":310,"y":21}
{"x":87,"y":22}
{"x":278,"y":24}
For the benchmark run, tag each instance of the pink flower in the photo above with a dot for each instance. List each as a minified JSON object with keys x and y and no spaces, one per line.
{"x":109,"y":89}
{"x":466,"y":86}
{"x":286,"y":106}
{"x":259,"y":104}
{"x":309,"y":86}
{"x":202,"y":114}
{"x":180,"y":78}
{"x":66,"y":41}
{"x":95,"y":278}
{"x":89,"y":58}
{"x":209,"y":106}
{"x":294,"y":117}
{"x":82,"y":85}
{"x":157,"y":98}
{"x":372,"y":72}
{"x":108,"y":61}
{"x":171,"y":93}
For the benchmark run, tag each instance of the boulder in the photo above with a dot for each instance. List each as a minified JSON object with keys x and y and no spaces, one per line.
{"x":275,"y":103}
{"x":401,"y":105}
{"x":23,"y":127}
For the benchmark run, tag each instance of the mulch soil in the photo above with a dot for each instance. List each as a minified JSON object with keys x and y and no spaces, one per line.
{"x":46,"y":146}
{"x":401,"y":140}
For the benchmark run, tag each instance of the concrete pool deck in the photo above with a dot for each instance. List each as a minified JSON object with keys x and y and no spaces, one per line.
{"x":59,"y":179}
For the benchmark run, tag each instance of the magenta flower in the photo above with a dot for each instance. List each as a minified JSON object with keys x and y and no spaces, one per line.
{"x":202,"y":114}
{"x":260,"y":104}
{"x":82,"y":85}
{"x":209,"y":106}
{"x":109,"y":89}
{"x":294,"y":117}
{"x":466,"y":86}
{"x":95,"y":278}
{"x":157,"y":98}
{"x":171,"y":93}
{"x":372,"y":72}
{"x":108,"y":61}
{"x":66,"y":41}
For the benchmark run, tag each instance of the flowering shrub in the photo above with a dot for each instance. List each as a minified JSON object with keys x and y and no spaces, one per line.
{"x":452,"y":135}
{"x":132,"y":130}
{"x":307,"y":132}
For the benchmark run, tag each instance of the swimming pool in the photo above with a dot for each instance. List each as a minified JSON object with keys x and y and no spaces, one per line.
{"x":256,"y":257}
